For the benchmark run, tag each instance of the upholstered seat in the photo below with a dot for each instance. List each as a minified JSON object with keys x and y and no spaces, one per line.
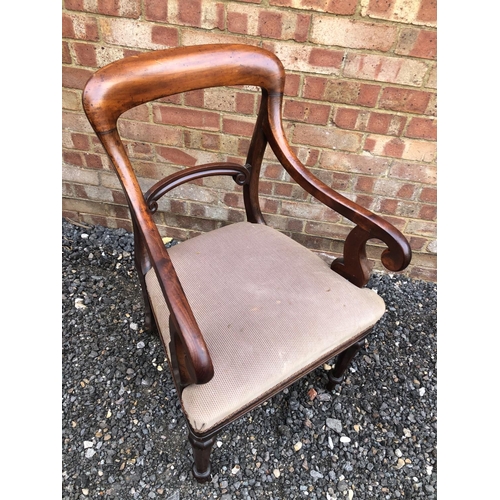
{"x":268,"y":308}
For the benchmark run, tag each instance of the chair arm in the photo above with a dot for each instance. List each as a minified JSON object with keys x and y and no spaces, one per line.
{"x":354,"y":265}
{"x":191,"y":351}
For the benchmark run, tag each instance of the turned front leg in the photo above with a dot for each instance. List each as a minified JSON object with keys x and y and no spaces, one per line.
{"x":342,"y":362}
{"x":201,"y":452}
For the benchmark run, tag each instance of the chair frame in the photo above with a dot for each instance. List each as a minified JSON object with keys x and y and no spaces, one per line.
{"x":138,"y":79}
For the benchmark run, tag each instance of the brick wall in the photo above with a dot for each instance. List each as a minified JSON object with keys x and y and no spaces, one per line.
{"x":360,"y":110}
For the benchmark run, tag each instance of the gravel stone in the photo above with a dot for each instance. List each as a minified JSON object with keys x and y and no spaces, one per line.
{"x":120,"y":398}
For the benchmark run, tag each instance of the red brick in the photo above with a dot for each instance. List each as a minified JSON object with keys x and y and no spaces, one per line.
{"x":318,"y":114}
{"x":93,"y":161}
{"x":354,"y":163}
{"x":195,"y":98}
{"x":314,"y":87}
{"x":326,"y":137}
{"x":428,"y":212}
{"x":282,"y":189}
{"x":176,"y":156}
{"x":190,"y":12}
{"x":326,"y":58}
{"x":422,"y":128}
{"x":187,"y":117}
{"x":164,"y":35}
{"x":80,"y":141}
{"x":388,"y":206}
{"x":294,"y":110}
{"x":415,"y":172}
{"x":346,"y":118}
{"x":155,"y":10}
{"x":74,"y":4}
{"x":67,"y":27}
{"x":292,"y":85}
{"x":270,"y":24}
{"x":417,"y":43}
{"x":245,"y":103}
{"x":108,"y":7}
{"x":428,"y":195}
{"x":73,"y":158}
{"x":341,"y":7}
{"x":150,"y":133}
{"x":210,"y":141}
{"x":237,"y":127}
{"x":406,"y":191}
{"x":237,"y":22}
{"x":409,"y":101}
{"x":380,"y":6}
{"x":365,"y":184}
{"x":75,"y":78}
{"x":302,"y":27}
{"x":348,"y":92}
{"x":428,"y":11}
{"x":85,"y":54}
{"x":66,"y":55}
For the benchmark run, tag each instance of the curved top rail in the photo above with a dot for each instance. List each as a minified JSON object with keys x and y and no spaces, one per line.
{"x":134,"y":80}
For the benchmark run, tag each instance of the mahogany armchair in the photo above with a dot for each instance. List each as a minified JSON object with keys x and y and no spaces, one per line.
{"x":242,"y":311}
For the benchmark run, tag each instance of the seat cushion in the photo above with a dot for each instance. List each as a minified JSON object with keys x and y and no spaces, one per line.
{"x":268,"y":309}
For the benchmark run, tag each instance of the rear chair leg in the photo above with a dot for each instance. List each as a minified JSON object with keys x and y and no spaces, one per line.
{"x":142,"y":266}
{"x":342,"y":362}
{"x":201,"y":452}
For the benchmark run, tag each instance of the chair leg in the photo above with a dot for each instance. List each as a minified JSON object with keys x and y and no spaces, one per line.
{"x":142,"y":266}
{"x":201,"y":452}
{"x":342,"y":362}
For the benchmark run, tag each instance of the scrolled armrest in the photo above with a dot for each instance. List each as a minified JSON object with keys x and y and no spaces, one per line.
{"x":354,"y":265}
{"x":190,"y":351}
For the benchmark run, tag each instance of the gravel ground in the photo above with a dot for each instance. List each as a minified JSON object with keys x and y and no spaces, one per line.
{"x":124,"y":436}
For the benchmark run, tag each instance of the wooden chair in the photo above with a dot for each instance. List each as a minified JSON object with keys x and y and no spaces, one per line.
{"x":243,"y":311}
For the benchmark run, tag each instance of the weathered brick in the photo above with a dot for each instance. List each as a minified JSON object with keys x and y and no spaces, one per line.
{"x":297,"y":57}
{"x":205,"y":14}
{"x":237,"y":22}
{"x":198,"y":37}
{"x":176,"y":156}
{"x":155,"y":10}
{"x":363,"y":164}
{"x":66,"y":54}
{"x":75,"y":78}
{"x":74,"y":4}
{"x":349,"y":92}
{"x":400,"y":148}
{"x":340,"y":7}
{"x":428,"y":195}
{"x":385,"y":69}
{"x":163,"y":35}
{"x":151,"y":133}
{"x":132,"y":33}
{"x":406,"y":100}
{"x":402,"y":11}
{"x":417,"y":43}
{"x":238,"y":126}
{"x":186,"y":117}
{"x":270,"y":24}
{"x":327,"y":30}
{"x":292,"y":85}
{"x":422,"y":128}
{"x":80,"y":27}
{"x":85,"y":54}
{"x":415,"y":172}
{"x":306,"y":112}
{"x":326,"y":137}
{"x":326,"y":58}
{"x":73,"y":158}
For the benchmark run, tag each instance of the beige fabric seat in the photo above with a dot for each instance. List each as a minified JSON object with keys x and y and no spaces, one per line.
{"x":267,"y":307}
